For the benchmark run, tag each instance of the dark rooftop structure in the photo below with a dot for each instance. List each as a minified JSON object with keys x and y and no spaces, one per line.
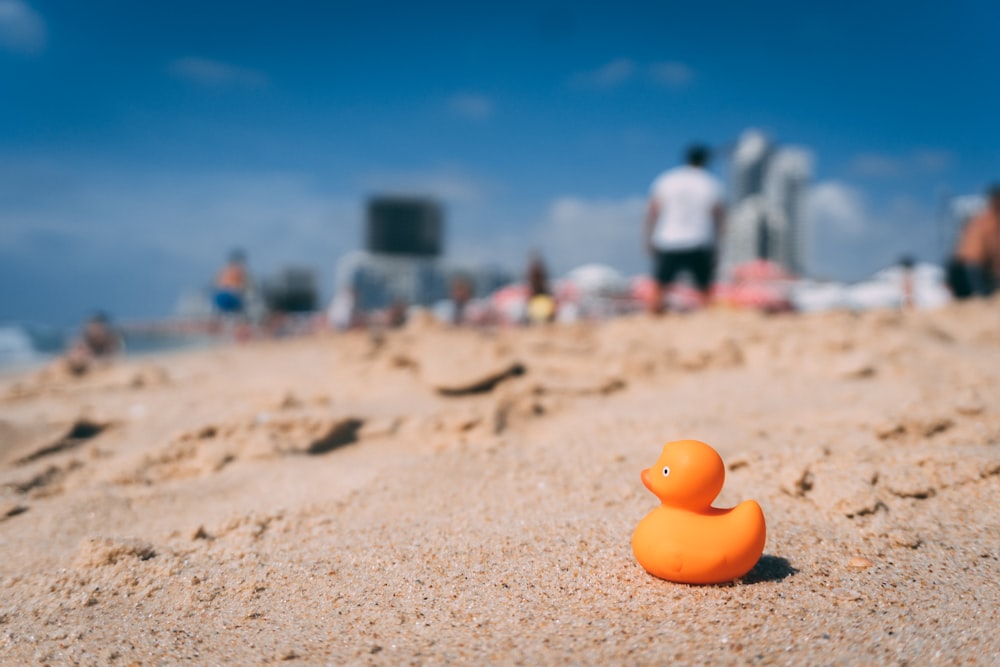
{"x":399,"y":225}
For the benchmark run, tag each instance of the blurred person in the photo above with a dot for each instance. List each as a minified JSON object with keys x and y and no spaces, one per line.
{"x":461,"y":295}
{"x":231,"y":285}
{"x":541,"y":306}
{"x":395,"y":314}
{"x":684,"y":224}
{"x":978,"y":250}
{"x":906,"y":266}
{"x":97,"y":341}
{"x":957,"y":279}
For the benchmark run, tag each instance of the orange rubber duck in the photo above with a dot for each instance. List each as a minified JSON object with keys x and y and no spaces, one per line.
{"x":685,"y":539}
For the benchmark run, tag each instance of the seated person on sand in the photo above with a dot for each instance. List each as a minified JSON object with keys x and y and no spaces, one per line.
{"x":97,"y":342}
{"x":231,"y":285}
{"x":396,"y":314}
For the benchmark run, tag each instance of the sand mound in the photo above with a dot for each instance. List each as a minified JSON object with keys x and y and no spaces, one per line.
{"x":434,"y":495}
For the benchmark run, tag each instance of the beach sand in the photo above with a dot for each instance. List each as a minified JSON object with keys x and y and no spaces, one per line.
{"x":437,"y":496}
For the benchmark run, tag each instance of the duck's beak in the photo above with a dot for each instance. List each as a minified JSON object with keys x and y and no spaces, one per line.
{"x":645,"y":480}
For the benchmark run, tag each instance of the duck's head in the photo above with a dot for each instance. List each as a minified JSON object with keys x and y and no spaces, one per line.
{"x":689,"y":474}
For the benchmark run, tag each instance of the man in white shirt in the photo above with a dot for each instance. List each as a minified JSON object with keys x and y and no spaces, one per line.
{"x":684,"y":223}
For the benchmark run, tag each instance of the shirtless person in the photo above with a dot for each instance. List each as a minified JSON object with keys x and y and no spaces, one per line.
{"x":231,"y":284}
{"x":684,"y":223}
{"x":978,"y":249}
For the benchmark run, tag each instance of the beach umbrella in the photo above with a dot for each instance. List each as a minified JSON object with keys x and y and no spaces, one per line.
{"x":509,"y":303}
{"x":759,"y":270}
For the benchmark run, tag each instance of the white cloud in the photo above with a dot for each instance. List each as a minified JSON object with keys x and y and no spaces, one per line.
{"x":278,"y":217}
{"x":851,"y":236}
{"x":577,"y":231}
{"x":568,"y":231}
{"x":932,"y":160}
{"x":876,"y":165}
{"x":836,"y":208}
{"x":919,"y":161}
{"x":216,"y":74}
{"x":22,"y":29}
{"x":610,"y":75}
{"x":471,"y":105}
{"x":168,"y":229}
{"x":620,"y":71}
{"x":451,"y":185}
{"x":671,"y":74}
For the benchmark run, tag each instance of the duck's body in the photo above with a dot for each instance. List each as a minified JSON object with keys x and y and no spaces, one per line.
{"x":700,"y":548}
{"x":686,"y":539}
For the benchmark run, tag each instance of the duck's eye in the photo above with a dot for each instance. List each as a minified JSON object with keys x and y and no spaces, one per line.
{"x":666,"y":471}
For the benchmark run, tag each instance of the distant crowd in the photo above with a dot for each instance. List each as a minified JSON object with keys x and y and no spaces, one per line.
{"x":684,"y":223}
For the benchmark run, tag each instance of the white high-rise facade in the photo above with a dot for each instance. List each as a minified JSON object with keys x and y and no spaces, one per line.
{"x":766,"y":214}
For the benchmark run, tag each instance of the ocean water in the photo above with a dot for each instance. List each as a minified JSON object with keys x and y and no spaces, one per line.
{"x":24,"y":346}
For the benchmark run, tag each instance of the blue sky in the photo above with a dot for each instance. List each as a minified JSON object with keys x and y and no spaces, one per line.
{"x":139,"y":142}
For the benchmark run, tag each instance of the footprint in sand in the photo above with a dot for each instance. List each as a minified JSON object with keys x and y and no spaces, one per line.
{"x":28,"y":449}
{"x":78,"y":433}
{"x":211,"y":448}
{"x":25,"y":443}
{"x":95,"y":552}
{"x":9,"y":510}
{"x":46,"y":482}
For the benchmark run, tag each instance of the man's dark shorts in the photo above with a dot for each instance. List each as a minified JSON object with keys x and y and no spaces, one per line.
{"x":700,"y":262}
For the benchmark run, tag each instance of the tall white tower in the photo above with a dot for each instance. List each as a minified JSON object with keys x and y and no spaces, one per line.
{"x":766,"y":217}
{"x":785,"y":188}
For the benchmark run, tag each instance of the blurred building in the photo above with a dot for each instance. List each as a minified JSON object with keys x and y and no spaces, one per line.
{"x":402,"y":261}
{"x":766,"y":216}
{"x":405,"y":227}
